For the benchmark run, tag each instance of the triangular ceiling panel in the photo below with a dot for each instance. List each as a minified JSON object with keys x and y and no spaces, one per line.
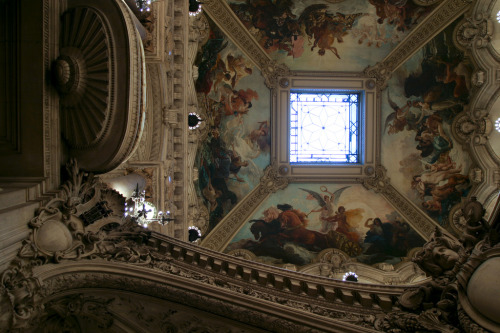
{"x":346,"y":219}
{"x":329,"y":35}
{"x":235,"y":104}
{"x":424,"y":96}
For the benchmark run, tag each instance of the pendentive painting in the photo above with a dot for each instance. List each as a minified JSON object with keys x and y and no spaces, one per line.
{"x":236,"y":107}
{"x":418,"y":107}
{"x":295,"y":224}
{"x":319,"y":35}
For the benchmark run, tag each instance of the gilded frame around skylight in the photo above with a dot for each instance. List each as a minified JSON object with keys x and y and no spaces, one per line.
{"x":369,"y":127}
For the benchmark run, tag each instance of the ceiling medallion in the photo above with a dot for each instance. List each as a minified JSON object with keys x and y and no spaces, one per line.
{"x":369,"y":170}
{"x":370,"y":84}
{"x":284,"y":83}
{"x":283,"y":170}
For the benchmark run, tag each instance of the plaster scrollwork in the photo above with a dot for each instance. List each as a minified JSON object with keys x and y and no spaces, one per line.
{"x":17,"y":296}
{"x":199,"y":29}
{"x":474,"y":31}
{"x":381,"y":72}
{"x":270,"y":182}
{"x":379,"y":182}
{"x":444,"y":304}
{"x":64,"y":314}
{"x":69,"y":227}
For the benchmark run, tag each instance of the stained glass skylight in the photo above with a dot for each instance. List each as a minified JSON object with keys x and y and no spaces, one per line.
{"x":324,"y":127}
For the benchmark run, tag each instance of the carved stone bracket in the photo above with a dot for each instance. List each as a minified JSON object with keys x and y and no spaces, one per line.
{"x":472,"y":127}
{"x":474,"y":32}
{"x":446,"y":12}
{"x":380,"y":183}
{"x":270,"y":182}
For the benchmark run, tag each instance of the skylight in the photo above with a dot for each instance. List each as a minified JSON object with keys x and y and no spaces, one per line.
{"x":324,"y":127}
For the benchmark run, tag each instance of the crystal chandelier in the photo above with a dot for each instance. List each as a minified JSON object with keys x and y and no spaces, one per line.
{"x":143,"y":5}
{"x":144,"y":212}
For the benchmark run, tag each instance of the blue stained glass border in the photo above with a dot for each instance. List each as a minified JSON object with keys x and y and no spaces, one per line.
{"x":325,"y":126}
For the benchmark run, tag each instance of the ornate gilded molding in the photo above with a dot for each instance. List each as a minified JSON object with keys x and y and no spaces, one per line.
{"x":270,"y":182}
{"x":441,"y":17}
{"x":380,"y":183}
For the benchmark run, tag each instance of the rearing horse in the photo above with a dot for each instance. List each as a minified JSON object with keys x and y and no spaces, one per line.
{"x":293,"y":230}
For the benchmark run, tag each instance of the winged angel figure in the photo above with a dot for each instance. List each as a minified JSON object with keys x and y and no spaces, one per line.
{"x":327,"y":203}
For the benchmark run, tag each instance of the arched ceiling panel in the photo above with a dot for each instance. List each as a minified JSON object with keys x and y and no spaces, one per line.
{"x":424,"y":96}
{"x":324,"y":35}
{"x":359,"y":225}
{"x":236,"y":105}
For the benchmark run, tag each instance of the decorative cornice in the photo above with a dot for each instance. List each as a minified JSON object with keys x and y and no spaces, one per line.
{"x":96,"y":254}
{"x":439,"y":19}
{"x":222,"y":234}
{"x":380,"y":183}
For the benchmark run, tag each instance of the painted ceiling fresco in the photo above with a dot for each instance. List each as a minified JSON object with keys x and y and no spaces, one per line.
{"x":324,"y":35}
{"x":236,"y":106}
{"x":346,"y":217}
{"x":424,"y":96}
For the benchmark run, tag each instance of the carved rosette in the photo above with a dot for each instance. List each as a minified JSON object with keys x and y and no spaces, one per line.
{"x":82,"y":76}
{"x":270,"y":182}
{"x":68,"y":227}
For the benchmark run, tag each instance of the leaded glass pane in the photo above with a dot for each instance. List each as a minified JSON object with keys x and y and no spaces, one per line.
{"x":324,"y":127}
